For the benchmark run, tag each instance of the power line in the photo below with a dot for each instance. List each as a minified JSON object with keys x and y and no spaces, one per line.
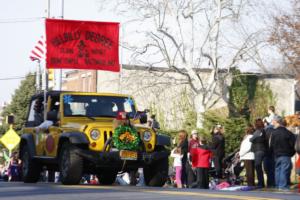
{"x":15,"y":78}
{"x":20,"y":20}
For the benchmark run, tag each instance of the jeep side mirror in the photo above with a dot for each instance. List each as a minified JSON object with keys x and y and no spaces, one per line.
{"x":143,"y":118}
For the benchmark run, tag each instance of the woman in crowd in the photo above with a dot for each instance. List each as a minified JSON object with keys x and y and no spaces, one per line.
{"x":201,"y":156}
{"x":177,"y":155}
{"x":193,"y":143}
{"x":183,"y":145}
{"x":218,"y":149}
{"x":259,"y":147}
{"x":247,"y":156}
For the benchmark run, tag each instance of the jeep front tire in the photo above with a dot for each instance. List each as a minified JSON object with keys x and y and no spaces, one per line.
{"x":31,"y":169}
{"x":70,"y":165}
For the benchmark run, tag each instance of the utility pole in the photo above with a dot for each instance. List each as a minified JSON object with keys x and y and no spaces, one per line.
{"x":58,"y":79}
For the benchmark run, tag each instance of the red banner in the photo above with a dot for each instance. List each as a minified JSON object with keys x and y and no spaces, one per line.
{"x":82,"y":45}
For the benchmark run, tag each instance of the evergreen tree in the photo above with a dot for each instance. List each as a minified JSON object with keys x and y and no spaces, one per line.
{"x":20,"y":101}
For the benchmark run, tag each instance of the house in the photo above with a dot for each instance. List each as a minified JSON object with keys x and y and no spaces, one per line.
{"x":80,"y":80}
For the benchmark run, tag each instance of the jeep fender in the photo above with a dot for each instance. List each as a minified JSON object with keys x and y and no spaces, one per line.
{"x":75,"y":138}
{"x":163,"y":140}
{"x":27,"y":139}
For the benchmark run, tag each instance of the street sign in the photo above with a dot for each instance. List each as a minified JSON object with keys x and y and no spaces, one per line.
{"x":10,"y":139}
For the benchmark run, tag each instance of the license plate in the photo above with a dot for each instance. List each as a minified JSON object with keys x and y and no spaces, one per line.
{"x":128,"y":155}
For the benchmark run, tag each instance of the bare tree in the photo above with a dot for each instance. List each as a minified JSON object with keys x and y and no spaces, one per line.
{"x":286,"y":36}
{"x":187,"y":35}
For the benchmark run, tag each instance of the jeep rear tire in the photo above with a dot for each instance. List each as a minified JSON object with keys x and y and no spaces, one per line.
{"x":31,"y":170}
{"x":107,"y":177}
{"x":156,"y":174}
{"x":70,"y":165}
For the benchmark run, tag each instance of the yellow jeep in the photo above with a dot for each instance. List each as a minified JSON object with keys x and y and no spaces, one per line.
{"x":78,"y":137}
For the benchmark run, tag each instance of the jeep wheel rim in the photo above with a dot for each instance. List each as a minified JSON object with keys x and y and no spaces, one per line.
{"x":25,"y":163}
{"x":65,"y":161}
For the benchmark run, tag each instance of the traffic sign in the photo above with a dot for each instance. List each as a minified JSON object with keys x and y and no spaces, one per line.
{"x":10,"y":139}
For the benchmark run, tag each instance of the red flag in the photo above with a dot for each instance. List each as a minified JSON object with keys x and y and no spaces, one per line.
{"x":39,"y":50}
{"x":82,"y":45}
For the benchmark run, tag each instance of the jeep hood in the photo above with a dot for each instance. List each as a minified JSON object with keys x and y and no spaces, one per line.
{"x":82,"y":124}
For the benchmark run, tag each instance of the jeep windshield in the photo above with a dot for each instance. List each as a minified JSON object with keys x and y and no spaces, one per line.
{"x":97,"y":106}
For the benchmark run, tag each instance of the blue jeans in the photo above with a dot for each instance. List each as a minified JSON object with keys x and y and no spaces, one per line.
{"x":283,"y":166}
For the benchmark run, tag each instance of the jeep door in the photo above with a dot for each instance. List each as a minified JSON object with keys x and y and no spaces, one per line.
{"x":52,"y":134}
{"x":34,"y":119}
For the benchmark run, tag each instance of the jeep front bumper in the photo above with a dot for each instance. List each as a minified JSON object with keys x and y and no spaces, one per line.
{"x":110,"y":159}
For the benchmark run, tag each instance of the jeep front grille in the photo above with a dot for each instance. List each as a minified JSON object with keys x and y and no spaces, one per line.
{"x":107,"y":134}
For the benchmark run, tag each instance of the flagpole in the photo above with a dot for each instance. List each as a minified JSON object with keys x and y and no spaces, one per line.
{"x":37,"y":87}
{"x":46,"y":74}
{"x":121,"y":55}
{"x":38,"y":77}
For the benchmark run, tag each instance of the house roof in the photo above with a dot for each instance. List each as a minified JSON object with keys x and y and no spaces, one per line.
{"x":165,"y":69}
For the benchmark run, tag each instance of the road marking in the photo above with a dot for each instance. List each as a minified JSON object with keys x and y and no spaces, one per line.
{"x":210,"y":195}
{"x":181,"y":193}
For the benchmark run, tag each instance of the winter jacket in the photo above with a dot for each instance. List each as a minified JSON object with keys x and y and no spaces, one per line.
{"x":269,"y":131}
{"x":283,"y":142}
{"x":201,"y":157}
{"x":259,"y":141}
{"x":245,"y":149}
{"x":218,"y":145}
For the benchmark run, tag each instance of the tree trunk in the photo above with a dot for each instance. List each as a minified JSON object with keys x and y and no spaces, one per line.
{"x":200,"y":109}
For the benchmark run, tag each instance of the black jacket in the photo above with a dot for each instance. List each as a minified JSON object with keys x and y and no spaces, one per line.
{"x":283,"y":142}
{"x":269,"y":132}
{"x":259,"y":141}
{"x":218,"y":145}
{"x":184,"y":149}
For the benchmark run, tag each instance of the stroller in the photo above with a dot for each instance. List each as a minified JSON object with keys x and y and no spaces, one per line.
{"x":233,"y":168}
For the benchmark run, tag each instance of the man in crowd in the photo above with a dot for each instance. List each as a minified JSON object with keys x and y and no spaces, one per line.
{"x":282,"y":143}
{"x":218,"y":149}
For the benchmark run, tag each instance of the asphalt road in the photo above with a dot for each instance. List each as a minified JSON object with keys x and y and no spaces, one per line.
{"x":48,"y":191}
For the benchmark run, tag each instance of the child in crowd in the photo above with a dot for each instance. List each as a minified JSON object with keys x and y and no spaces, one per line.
{"x":201,"y":157}
{"x":177,"y":155}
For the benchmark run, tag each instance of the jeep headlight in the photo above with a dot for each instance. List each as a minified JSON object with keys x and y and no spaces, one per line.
{"x":147,"y":136}
{"x":95,"y":134}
